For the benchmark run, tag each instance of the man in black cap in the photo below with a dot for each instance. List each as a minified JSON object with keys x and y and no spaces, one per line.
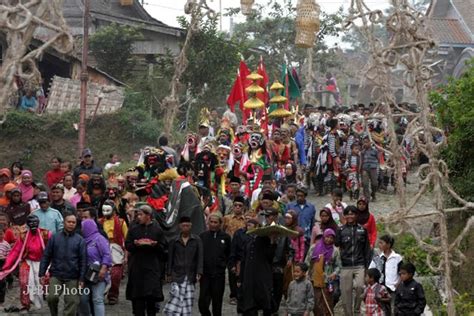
{"x":308,"y":109}
{"x":256,"y":272}
{"x":185,"y":267}
{"x":145,"y":244}
{"x":228,"y":200}
{"x":232,"y":223}
{"x":86,"y":166}
{"x":216,"y":253}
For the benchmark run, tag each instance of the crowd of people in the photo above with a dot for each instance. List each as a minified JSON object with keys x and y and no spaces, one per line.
{"x":188,"y":218}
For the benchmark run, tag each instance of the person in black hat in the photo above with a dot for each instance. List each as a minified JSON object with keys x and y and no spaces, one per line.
{"x":234,"y":191}
{"x":185,"y":268}
{"x":146,"y":245}
{"x":216,"y":252}
{"x":86,"y":166}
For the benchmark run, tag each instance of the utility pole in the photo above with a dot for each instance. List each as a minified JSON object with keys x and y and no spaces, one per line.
{"x":220,"y":14}
{"x":84,"y":77}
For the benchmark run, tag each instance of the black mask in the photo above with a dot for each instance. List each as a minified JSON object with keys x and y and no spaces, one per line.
{"x":32,"y":221}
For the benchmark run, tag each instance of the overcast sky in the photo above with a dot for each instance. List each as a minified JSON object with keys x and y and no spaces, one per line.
{"x":167,"y":10}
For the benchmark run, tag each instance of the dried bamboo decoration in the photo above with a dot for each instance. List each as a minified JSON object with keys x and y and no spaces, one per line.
{"x":246,"y":6}
{"x":307,"y":23}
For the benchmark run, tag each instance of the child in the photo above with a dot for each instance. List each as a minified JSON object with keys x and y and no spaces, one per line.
{"x":300,"y":299}
{"x":353,"y":171}
{"x":66,"y":167}
{"x":376,"y":297}
{"x":4,"y":251}
{"x":409,"y":296}
{"x":337,"y":207}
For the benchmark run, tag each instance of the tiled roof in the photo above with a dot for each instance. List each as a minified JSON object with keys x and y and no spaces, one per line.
{"x":450,"y":31}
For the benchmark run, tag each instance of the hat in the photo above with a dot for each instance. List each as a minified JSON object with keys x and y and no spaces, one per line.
{"x":86,"y":152}
{"x":268,"y":195}
{"x":270,"y":211}
{"x":83,"y":205}
{"x":267,"y":177}
{"x":9,"y":187}
{"x":239,"y":199}
{"x":14,"y":190}
{"x":145,"y":208}
{"x":185,"y":219}
{"x":308,"y":106}
{"x":58,"y":186}
{"x":42,"y":196}
{"x":235,"y":179}
{"x":5,"y":172}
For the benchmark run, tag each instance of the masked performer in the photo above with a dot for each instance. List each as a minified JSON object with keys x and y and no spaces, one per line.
{"x":26,"y":254}
{"x":259,"y":161}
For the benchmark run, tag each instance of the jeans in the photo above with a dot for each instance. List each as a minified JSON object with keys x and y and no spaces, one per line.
{"x":70,"y":289}
{"x":97,"y":293}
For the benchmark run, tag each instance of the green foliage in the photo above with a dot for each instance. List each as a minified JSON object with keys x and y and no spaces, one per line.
{"x":258,"y":32}
{"x":464,"y":303}
{"x":407,"y":246}
{"x":112,"y":47}
{"x":454,"y":105}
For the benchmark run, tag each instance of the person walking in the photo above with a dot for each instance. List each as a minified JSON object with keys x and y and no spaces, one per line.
{"x":370,"y":166}
{"x":98,"y":260}
{"x":50,"y":219}
{"x":66,"y":257}
{"x":116,"y":230}
{"x":185,"y":267}
{"x":145,"y":244}
{"x":216,"y":252}
{"x":353,"y":242}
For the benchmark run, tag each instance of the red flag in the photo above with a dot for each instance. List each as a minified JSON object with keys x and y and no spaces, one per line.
{"x":264,"y":82}
{"x":237,"y":92}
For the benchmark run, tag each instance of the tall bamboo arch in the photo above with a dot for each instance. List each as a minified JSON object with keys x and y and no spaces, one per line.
{"x":408,"y":46}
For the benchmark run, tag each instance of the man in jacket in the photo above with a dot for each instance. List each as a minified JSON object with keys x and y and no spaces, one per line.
{"x":216,"y":249}
{"x":66,"y":252}
{"x":145,"y":243}
{"x":185,"y":267}
{"x":353,"y":242}
{"x":58,"y":202}
{"x":50,"y":218}
{"x":86,"y":166}
{"x":17,"y":210}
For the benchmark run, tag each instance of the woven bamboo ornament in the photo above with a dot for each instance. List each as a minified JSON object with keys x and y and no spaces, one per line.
{"x":246,"y":6}
{"x":278,"y":99}
{"x":254,"y":103}
{"x":307,"y":23}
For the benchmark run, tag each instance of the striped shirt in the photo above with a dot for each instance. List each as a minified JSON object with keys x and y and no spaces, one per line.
{"x":4,"y":249}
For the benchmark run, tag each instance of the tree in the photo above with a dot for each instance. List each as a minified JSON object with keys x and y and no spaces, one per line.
{"x":455,"y":112}
{"x":258,"y":32}
{"x":112,"y":47}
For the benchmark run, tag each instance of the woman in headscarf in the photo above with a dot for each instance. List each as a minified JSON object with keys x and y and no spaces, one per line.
{"x":367,"y":219}
{"x":297,"y":244}
{"x":289,"y":177}
{"x":325,"y":221}
{"x":325,"y":262}
{"x":26,"y":187}
{"x":98,"y":252}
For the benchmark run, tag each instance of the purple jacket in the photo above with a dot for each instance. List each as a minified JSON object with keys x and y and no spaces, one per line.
{"x":97,"y":246}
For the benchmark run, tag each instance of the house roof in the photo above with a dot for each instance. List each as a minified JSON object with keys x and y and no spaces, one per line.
{"x":112,"y":10}
{"x":450,"y":31}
